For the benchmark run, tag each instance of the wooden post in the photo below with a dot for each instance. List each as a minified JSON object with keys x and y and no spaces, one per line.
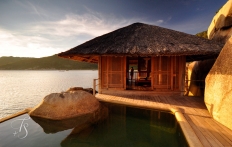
{"x":180,"y":72}
{"x":107,"y":72}
{"x":183,"y":74}
{"x":152,"y":72}
{"x":100,"y":74}
{"x":160,"y":70}
{"x":124,"y":72}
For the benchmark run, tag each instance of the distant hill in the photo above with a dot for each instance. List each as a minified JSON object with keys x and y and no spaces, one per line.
{"x":47,"y":63}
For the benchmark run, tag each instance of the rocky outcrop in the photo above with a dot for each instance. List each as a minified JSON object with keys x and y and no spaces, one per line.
{"x":197,"y":72}
{"x":218,"y":90}
{"x":220,"y":28}
{"x":89,"y":90}
{"x":60,"y":106}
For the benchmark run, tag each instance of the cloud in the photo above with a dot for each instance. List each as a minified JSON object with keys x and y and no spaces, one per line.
{"x":25,"y":46}
{"x":51,"y":37}
{"x":160,"y":21}
{"x":169,"y":18}
{"x":47,"y":37}
{"x":73,"y":24}
{"x":33,"y":9}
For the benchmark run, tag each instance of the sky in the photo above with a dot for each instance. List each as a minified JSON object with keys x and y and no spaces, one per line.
{"x":40,"y":28}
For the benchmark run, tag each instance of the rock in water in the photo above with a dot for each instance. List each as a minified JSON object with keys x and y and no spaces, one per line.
{"x":218,"y":90}
{"x":74,"y":89}
{"x":220,"y":28}
{"x":60,"y":106}
{"x":89,"y":90}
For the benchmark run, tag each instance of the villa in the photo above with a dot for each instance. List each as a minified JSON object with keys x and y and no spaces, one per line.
{"x":159,"y":56}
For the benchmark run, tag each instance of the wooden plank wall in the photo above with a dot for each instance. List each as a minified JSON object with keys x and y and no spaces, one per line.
{"x":112,"y":69}
{"x":168,"y":72}
{"x":99,"y":74}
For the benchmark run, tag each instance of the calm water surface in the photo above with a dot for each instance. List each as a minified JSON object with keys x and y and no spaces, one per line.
{"x":21,"y":89}
{"x":124,"y":127}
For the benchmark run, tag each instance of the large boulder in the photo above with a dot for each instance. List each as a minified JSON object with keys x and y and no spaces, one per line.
{"x":220,"y":28}
{"x":60,"y":106}
{"x":218,"y":90}
{"x":197,"y":72}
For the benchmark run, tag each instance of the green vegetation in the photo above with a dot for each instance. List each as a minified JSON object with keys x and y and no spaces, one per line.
{"x":202,"y":34}
{"x":47,"y":63}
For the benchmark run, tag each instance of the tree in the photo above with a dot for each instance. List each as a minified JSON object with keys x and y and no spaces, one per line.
{"x":202,"y":34}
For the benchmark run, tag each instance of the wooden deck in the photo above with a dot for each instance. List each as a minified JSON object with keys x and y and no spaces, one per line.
{"x":208,"y":132}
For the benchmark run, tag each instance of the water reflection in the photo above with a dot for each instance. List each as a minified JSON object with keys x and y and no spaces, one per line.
{"x":124,"y":127}
{"x":77,"y":123}
{"x":54,"y":126}
{"x":128,"y":126}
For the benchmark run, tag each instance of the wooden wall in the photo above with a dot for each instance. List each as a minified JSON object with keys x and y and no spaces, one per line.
{"x":166,"y":72}
{"x":112,"y":69}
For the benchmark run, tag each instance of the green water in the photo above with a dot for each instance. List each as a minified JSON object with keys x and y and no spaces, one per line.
{"x":124,"y":127}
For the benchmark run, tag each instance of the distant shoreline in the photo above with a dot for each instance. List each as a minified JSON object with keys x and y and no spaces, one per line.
{"x":47,"y":63}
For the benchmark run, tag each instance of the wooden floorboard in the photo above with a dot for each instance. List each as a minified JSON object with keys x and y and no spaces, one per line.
{"x":210,"y":132}
{"x":204,"y":128}
{"x":198,"y":132}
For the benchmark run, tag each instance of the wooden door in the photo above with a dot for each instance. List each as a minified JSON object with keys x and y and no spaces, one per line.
{"x":112,"y":72}
{"x":167,"y":72}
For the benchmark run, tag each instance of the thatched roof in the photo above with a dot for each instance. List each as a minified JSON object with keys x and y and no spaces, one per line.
{"x":144,"y":40}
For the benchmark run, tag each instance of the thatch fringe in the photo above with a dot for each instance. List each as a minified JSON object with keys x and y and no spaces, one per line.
{"x":145,"y":40}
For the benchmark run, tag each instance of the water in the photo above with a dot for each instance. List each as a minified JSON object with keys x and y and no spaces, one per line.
{"x":124,"y":127}
{"x":21,"y":89}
